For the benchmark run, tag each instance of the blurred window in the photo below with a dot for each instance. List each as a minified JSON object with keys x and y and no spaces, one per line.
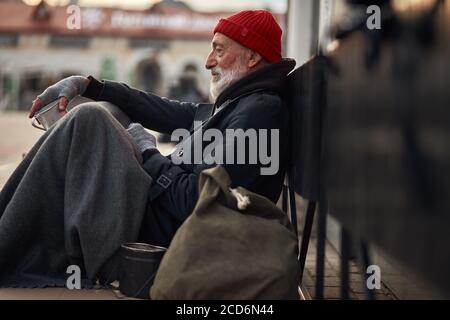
{"x":145,"y":43}
{"x":149,"y":76}
{"x":8,"y":40}
{"x":66,"y":41}
{"x":7,"y":83}
{"x":32,"y":81}
{"x":31,"y":84}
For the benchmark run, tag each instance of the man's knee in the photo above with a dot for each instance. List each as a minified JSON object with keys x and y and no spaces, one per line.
{"x":89,"y":110}
{"x":116,"y":112}
{"x":89,"y":116}
{"x":100,"y":110}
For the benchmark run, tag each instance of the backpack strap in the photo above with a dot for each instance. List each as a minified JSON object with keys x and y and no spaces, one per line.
{"x":203,"y":113}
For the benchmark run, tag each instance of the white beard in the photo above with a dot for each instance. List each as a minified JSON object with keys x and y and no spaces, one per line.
{"x":226,"y":78}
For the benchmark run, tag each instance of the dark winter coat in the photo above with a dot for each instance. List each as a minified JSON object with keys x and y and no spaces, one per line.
{"x":254,"y":102}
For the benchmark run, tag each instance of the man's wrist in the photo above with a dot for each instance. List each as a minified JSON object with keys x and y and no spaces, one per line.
{"x":93,"y":89}
{"x":147,"y":154}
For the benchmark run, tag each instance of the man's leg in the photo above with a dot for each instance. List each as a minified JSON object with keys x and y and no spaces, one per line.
{"x":77,"y":196}
{"x":116,"y":112}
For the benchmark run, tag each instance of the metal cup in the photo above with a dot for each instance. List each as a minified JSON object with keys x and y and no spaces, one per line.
{"x":47,"y":116}
{"x":138,"y":267}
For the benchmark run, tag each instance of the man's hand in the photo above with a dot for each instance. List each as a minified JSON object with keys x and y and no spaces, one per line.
{"x":144,"y":139}
{"x":65,"y":90}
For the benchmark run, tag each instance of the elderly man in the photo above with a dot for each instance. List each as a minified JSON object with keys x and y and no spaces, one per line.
{"x":89,"y":184}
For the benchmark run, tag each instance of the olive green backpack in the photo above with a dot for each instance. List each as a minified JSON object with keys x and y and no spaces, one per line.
{"x":235,"y":245}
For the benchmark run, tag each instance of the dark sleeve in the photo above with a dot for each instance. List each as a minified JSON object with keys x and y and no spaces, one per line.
{"x":182,"y":193}
{"x":153,"y":112}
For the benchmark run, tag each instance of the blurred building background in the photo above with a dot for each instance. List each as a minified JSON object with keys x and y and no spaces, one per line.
{"x":161,"y":46}
{"x":150,"y":48}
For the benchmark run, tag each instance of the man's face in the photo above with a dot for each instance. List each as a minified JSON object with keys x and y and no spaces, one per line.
{"x":228,"y":62}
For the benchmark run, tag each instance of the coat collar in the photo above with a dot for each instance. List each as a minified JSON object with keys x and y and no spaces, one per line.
{"x":272,"y":77}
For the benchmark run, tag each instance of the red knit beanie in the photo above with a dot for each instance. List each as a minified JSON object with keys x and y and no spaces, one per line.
{"x":256,"y":30}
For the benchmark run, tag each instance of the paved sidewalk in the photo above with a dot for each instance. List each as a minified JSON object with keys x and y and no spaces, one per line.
{"x":60,"y":294}
{"x":398,"y":282}
{"x":332,"y":279}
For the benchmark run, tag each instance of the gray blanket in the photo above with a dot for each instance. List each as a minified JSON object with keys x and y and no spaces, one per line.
{"x":76,"y":197}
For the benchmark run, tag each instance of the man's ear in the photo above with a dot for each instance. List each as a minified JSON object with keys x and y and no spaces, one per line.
{"x":255,"y":59}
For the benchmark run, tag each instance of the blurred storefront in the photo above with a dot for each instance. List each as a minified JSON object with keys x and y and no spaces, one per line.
{"x":148,"y":49}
